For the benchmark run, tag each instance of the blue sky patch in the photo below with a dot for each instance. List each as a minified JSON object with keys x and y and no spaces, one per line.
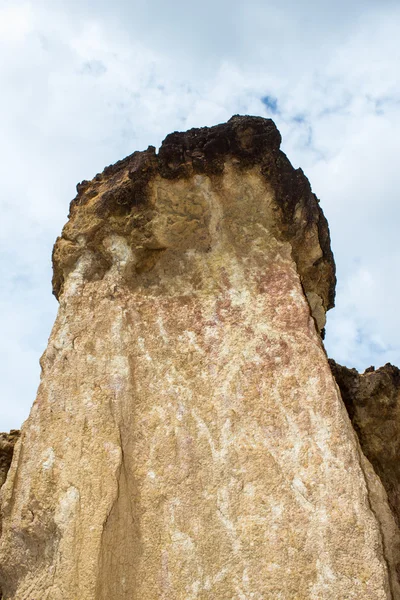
{"x":271,"y":103}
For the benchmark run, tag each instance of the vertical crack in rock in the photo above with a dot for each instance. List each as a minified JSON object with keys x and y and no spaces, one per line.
{"x":188,"y":440}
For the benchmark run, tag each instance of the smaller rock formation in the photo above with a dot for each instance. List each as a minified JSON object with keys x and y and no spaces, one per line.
{"x":372,"y":400}
{"x":7,"y":443}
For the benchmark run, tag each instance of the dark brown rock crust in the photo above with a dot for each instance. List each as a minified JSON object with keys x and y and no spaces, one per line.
{"x":372,"y":400}
{"x":121,"y":194}
{"x":7,"y":443}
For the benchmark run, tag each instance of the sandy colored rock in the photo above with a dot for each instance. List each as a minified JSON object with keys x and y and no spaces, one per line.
{"x":188,"y":440}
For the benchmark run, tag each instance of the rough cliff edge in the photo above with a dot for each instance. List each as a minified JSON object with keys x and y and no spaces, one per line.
{"x":189,"y":440}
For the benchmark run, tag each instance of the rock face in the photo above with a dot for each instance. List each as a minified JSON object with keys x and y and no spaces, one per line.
{"x":373,"y":403}
{"x":7,"y":443}
{"x":188,"y":440}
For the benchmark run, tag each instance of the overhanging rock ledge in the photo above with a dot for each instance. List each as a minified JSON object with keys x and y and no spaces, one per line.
{"x":126,"y":201}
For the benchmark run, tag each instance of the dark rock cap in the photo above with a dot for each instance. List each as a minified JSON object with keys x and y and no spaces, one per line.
{"x":122,"y":190}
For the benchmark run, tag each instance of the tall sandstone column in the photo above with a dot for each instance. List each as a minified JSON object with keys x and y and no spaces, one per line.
{"x":188,"y":440}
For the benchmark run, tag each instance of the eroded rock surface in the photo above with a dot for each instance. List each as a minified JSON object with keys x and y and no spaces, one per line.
{"x":373,"y":403}
{"x":7,"y":443}
{"x":147,"y":204}
{"x":188,"y":440}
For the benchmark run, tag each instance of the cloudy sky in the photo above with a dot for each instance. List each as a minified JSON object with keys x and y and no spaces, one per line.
{"x":85,"y":83}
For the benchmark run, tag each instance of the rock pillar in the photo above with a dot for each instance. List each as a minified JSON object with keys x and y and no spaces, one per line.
{"x":188,"y":440}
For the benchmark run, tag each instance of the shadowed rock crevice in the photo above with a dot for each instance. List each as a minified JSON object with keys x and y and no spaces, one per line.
{"x":7,"y":443}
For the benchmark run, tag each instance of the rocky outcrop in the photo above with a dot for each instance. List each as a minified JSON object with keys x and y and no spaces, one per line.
{"x":7,"y":443}
{"x":372,"y":400}
{"x":188,"y":440}
{"x":161,"y":202}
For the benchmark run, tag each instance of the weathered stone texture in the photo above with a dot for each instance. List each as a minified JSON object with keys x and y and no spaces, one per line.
{"x":188,"y":440}
{"x":373,"y":403}
{"x":7,"y":443}
{"x":139,"y":200}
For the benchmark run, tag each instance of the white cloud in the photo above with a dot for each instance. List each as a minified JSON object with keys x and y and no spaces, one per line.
{"x":15,"y":22}
{"x":85,"y":83}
